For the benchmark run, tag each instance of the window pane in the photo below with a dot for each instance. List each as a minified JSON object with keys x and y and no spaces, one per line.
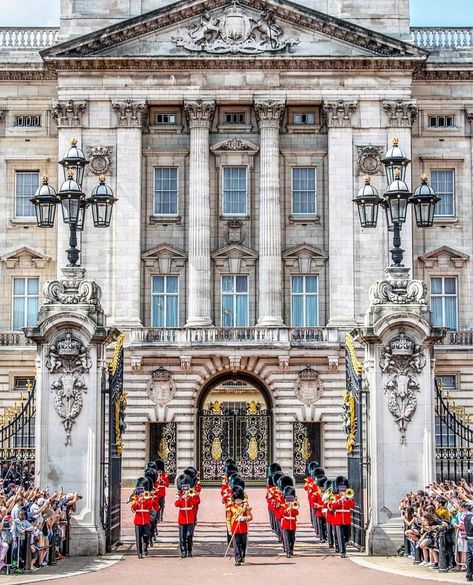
{"x":450,"y":286}
{"x":227,"y":284}
{"x":26,"y":185}
{"x":450,"y":312}
{"x":443,"y":183}
{"x":241,"y":317}
{"x":297,"y":310}
{"x":172,"y":284}
{"x":18,"y":286}
{"x":158,"y":311}
{"x":311,"y":284}
{"x":172,"y":311}
{"x":158,"y":284}
{"x":436,"y":308}
{"x":303,"y":190}
{"x":18,"y":313}
{"x":436,"y":286}
{"x":227,"y":311}
{"x":311,"y":318}
{"x":241,"y":284}
{"x":32,"y":316}
{"x":297,"y":284}
{"x":33,"y":286}
{"x":165,"y":190}
{"x":234,"y":190}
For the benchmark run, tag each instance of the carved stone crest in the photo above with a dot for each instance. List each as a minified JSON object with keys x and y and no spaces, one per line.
{"x":161,"y":387}
{"x":369,"y":159}
{"x":234,"y":31}
{"x":67,"y":361}
{"x":402,"y":359}
{"x":100,"y":158}
{"x":308,"y":387}
{"x":399,"y":291}
{"x":234,"y":232}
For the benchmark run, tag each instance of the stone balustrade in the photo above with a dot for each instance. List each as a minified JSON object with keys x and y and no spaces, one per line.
{"x":442,"y":37}
{"x":457,"y":338}
{"x":245,"y":336}
{"x":14,"y":339}
{"x":28,"y":38}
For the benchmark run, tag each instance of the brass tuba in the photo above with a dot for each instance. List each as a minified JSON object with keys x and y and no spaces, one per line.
{"x":349,"y":493}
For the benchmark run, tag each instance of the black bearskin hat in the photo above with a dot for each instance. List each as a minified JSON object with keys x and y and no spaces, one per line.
{"x":341,"y":481}
{"x":159,"y":463}
{"x":273,"y":468}
{"x":328,"y":484}
{"x":238,"y":493}
{"x":276,"y":476}
{"x":317,"y":471}
{"x":151,"y":474}
{"x":151,"y":464}
{"x":231,"y":477}
{"x":231,"y":468}
{"x":270,"y":481}
{"x":183,"y":479}
{"x":312,"y":465}
{"x":321,"y":480}
{"x":289,"y":491}
{"x":144,"y":482}
{"x":229,"y":461}
{"x":284,"y":481}
{"x":238,"y":481}
{"x":192,"y":471}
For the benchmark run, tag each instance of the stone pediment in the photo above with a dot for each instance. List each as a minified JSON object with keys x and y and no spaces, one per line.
{"x":218,"y":28}
{"x":304,"y":257}
{"x":443,"y":257}
{"x":165,"y":258}
{"x":235,"y":145}
{"x":234,"y":258}
{"x":25,"y":257}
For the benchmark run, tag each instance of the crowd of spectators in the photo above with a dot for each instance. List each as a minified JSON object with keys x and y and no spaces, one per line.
{"x":434,"y":525}
{"x":34,"y":525}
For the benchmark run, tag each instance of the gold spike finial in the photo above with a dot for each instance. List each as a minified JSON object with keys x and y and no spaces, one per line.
{"x":74,"y":141}
{"x":395,"y":141}
{"x":424,"y":178}
{"x":397,"y":173}
{"x":102,"y":178}
{"x":45,"y":179}
{"x":367,"y":179}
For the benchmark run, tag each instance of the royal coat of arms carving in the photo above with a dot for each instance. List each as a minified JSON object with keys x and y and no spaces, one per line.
{"x":308,"y":387}
{"x":161,"y":387}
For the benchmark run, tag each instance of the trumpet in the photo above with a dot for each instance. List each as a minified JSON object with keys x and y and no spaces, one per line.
{"x":294,"y":505}
{"x":328,"y":495}
{"x":349,"y":494}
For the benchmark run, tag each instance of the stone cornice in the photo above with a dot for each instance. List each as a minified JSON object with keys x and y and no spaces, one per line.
{"x":453,"y":74}
{"x":27,"y":74}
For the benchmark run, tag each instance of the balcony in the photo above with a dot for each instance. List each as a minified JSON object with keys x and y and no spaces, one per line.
{"x":235,"y":336}
{"x":440,"y":38}
{"x":14,"y":339}
{"x":464,"y":338}
{"x":28,"y":38}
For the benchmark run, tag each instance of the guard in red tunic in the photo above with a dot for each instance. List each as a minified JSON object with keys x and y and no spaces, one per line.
{"x":274,"y":499}
{"x":329,"y":515}
{"x":342,"y":505}
{"x":288,"y":512}
{"x":309,"y":482}
{"x":316,"y":503}
{"x":187,"y":500}
{"x":162,"y":482}
{"x":239,"y":514}
{"x":141,"y":505}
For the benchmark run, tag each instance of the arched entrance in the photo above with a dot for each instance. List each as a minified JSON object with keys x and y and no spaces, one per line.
{"x":234,"y":420}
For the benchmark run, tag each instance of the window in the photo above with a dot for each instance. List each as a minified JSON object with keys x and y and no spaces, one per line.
{"x":443,"y":302}
{"x":165,"y":119}
{"x":235,"y":118}
{"x":304,"y":197}
{"x":165,"y":301}
{"x":28,"y":121}
{"x":26,"y":183}
{"x":444,"y":434}
{"x":447,"y":383}
{"x":305,"y":301}
{"x":234,"y":301}
{"x":441,"y":121}
{"x":23,"y":383}
{"x":25,"y":302}
{"x":301,"y":119}
{"x":165,"y":191}
{"x":442,"y":182}
{"x":234,"y":190}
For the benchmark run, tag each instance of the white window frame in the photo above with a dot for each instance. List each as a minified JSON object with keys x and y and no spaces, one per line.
{"x":444,"y":295}
{"x":299,"y":213}
{"x":164,"y":294}
{"x":29,"y":172}
{"x":155,"y":167}
{"x":304,"y":294}
{"x":234,"y":295}
{"x":436,"y":117}
{"x":24,"y":296}
{"x":222,"y":176}
{"x":454,"y":210}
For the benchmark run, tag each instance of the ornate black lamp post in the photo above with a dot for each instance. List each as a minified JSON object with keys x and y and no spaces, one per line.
{"x":73,"y":200}
{"x":395,"y":200}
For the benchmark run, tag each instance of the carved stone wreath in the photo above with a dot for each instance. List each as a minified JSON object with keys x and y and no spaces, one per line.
{"x":67,"y":361}
{"x":308,"y":387}
{"x":398,"y":291}
{"x":100,"y":158}
{"x":369,"y":159}
{"x":402,"y":358}
{"x":161,"y":388}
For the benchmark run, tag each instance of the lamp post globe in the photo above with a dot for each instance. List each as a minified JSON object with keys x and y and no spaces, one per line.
{"x":395,"y":158}
{"x":367,"y":201}
{"x":397,"y":196}
{"x":45,"y":200}
{"x":101,"y":201}
{"x":74,"y":160}
{"x":424,"y":200}
{"x":70,"y":195}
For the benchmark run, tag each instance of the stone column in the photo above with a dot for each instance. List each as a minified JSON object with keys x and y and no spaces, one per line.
{"x":399,"y":378}
{"x":68,"y":116}
{"x":401,"y":115}
{"x":199,"y":290}
{"x":269,"y":114}
{"x":126,"y":289}
{"x":341,"y":212}
{"x":71,"y":338}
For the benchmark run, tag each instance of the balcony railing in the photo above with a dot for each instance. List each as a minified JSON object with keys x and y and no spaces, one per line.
{"x":457,"y":338}
{"x":14,"y":339}
{"x":28,"y":38}
{"x":197,"y":336}
{"x":442,"y":38}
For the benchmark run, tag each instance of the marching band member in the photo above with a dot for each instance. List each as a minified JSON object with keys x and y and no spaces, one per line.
{"x":226,"y":493}
{"x":274,"y":502}
{"x":329,"y":515}
{"x":141,"y":505}
{"x":317,"y":504}
{"x":160,"y":486}
{"x":288,"y":513}
{"x":308,"y":486}
{"x":187,"y":500}
{"x":283,"y":482}
{"x":195,"y":485}
{"x":239,"y":514}
{"x":151,"y":475}
{"x":342,"y":504}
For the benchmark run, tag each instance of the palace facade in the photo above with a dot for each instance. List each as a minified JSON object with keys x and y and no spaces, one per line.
{"x":235,"y":135}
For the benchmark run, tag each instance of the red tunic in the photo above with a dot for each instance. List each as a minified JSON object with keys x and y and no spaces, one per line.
{"x":238,"y":516}
{"x":161,"y":484}
{"x":288,"y":514}
{"x":142,"y":509}
{"x":342,"y":508}
{"x":276,"y":499}
{"x":187,"y":508}
{"x":317,"y":503}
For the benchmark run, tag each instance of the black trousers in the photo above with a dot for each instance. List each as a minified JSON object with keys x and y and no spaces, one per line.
{"x":142,"y":537}
{"x":469,"y":558}
{"x":322,"y":525}
{"x":272,"y":520}
{"x":277,"y":529}
{"x":239,"y":544}
{"x":330,"y":535}
{"x":313,"y":521}
{"x":186,"y":535}
{"x":162,"y":503}
{"x":342,"y":535}
{"x":289,"y":537}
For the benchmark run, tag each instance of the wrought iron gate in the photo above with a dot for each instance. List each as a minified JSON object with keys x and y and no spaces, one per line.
{"x":163,"y":445}
{"x":306,"y":441}
{"x":241,"y":433}
{"x":453,"y":439}
{"x":116,"y":428}
{"x":353,"y":421}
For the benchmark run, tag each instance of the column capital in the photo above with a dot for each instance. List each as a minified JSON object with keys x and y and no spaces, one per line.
{"x":469,"y":116}
{"x":338,"y":114}
{"x":68,"y":113}
{"x":199,"y":113}
{"x":269,"y":112}
{"x":400,"y":113}
{"x":130,"y":113}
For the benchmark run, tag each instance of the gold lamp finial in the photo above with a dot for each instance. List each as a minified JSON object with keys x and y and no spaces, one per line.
{"x":424,"y":178}
{"x":45,"y":179}
{"x":74,"y":141}
{"x":395,"y":141}
{"x":367,"y":179}
{"x":102,"y":178}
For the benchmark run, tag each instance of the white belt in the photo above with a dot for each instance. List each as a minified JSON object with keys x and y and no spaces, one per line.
{"x":338,"y":511}
{"x":142,"y":510}
{"x":288,"y":517}
{"x":191,"y":508}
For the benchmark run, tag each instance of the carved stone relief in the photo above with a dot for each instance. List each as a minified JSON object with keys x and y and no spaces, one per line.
{"x":161,"y":387}
{"x":369,"y":159}
{"x":339,"y":114}
{"x":130,"y":114}
{"x":100,"y":158}
{"x":308,"y":387}
{"x":400,"y":113}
